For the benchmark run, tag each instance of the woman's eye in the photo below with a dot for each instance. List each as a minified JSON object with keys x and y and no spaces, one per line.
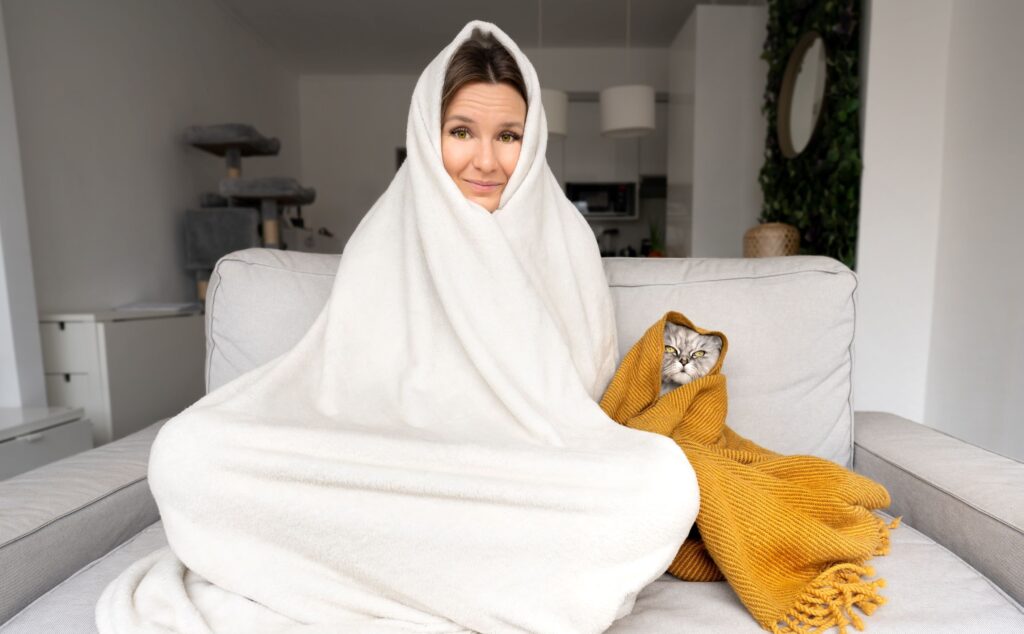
{"x":460,"y":133}
{"x":508,"y":137}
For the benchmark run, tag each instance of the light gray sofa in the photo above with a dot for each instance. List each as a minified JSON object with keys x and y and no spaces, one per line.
{"x":957,"y":563}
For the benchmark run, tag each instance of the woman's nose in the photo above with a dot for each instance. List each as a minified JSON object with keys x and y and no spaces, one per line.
{"x":484,"y":159}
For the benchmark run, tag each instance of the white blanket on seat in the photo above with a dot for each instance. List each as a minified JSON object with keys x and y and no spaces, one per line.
{"x":430,"y":457}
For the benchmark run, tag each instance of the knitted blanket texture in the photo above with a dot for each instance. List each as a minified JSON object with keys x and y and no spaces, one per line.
{"x":791,"y":534}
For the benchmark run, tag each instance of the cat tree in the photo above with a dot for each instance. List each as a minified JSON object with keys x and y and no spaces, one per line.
{"x":247,"y":211}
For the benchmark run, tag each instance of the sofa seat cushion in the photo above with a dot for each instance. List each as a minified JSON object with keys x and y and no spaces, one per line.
{"x":57,"y":518}
{"x":70,"y":605}
{"x":929,"y":590}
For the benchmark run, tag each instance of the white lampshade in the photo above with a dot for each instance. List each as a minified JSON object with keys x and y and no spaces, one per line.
{"x":627,"y":111}
{"x":556,"y":107}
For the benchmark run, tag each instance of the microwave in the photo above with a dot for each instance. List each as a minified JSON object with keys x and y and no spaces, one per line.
{"x":604,"y":200}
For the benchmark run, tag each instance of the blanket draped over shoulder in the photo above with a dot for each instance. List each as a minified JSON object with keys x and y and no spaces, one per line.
{"x":789,"y":533}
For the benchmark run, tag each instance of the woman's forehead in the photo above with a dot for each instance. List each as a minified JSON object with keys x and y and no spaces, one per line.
{"x":480,"y":101}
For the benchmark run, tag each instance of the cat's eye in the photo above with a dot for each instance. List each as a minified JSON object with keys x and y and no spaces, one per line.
{"x":698,"y":354}
{"x":671,"y":350}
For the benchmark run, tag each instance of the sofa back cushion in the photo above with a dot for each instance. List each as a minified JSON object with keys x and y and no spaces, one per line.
{"x":789,"y":321}
{"x":259,"y":303}
{"x":790,"y":325}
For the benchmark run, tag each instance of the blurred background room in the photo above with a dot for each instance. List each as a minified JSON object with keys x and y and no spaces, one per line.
{"x":142,"y":140}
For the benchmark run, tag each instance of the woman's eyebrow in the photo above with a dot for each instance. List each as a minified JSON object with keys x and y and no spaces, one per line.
{"x":465,"y":119}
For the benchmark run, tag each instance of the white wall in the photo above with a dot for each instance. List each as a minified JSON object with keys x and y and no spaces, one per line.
{"x":900,"y":203}
{"x":941,"y":295}
{"x":104,"y":90}
{"x":21,"y":364}
{"x":976,"y":367}
{"x":729,"y":128}
{"x":682,"y":84}
{"x":351,"y":125}
{"x":716,"y":59}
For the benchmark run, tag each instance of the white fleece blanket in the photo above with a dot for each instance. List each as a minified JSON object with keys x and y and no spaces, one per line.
{"x":430,"y":457}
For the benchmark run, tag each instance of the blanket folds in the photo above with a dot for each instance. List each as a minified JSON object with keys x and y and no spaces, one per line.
{"x":790,"y":534}
{"x":430,"y":456}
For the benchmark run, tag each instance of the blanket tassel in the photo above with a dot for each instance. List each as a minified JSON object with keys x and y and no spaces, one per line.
{"x":828,"y":601}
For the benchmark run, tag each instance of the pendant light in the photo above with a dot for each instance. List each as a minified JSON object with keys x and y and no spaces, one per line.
{"x":556,"y":107}
{"x":556,"y":102}
{"x":628,"y":110}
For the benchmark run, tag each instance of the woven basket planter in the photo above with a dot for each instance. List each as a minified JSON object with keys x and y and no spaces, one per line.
{"x":771,"y":239}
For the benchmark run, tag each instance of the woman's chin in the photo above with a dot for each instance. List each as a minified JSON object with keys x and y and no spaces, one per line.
{"x":488,"y":202}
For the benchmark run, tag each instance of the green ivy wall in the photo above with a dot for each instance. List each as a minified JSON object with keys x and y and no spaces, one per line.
{"x":818,"y":192}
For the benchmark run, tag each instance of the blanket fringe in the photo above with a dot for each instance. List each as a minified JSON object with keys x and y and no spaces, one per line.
{"x":883,"y":531}
{"x":828,"y":601}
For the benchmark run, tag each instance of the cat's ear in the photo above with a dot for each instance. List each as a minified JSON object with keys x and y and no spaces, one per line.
{"x":714,"y":341}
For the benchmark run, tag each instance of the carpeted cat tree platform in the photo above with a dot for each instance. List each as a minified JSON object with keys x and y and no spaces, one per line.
{"x":247,"y":211}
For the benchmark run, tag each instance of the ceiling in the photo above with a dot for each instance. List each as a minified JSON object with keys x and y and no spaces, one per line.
{"x":399,"y":36}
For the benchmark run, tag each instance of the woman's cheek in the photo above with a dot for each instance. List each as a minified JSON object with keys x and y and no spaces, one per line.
{"x":452,"y":155}
{"x":510,"y":156}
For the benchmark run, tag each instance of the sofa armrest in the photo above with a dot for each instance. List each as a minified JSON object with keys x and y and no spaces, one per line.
{"x":61,"y":516}
{"x":966,"y":498}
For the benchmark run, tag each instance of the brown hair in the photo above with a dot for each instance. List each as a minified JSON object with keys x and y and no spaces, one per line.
{"x":480,"y":58}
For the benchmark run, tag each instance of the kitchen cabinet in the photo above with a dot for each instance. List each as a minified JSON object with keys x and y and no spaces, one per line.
{"x":586,"y":156}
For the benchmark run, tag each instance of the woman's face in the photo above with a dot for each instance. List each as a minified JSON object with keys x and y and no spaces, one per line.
{"x":481,"y":135}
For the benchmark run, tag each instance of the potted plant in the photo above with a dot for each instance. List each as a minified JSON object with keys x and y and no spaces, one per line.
{"x":657,"y":242}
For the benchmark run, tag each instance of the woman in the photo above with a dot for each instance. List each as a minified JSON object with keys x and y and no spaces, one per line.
{"x":430,"y":456}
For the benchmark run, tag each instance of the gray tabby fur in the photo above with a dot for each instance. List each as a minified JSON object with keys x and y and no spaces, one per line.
{"x":688,"y":364}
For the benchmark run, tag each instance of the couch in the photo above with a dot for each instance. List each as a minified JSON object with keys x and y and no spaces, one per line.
{"x":957,"y":562}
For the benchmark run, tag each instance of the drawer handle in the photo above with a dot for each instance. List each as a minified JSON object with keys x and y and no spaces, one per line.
{"x":31,"y":437}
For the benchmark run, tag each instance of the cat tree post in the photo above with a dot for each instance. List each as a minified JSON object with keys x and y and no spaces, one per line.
{"x":233,"y":160}
{"x":272,"y":193}
{"x":268,"y":215}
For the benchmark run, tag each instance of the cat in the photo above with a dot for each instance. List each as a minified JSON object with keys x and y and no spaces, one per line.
{"x":688,"y":355}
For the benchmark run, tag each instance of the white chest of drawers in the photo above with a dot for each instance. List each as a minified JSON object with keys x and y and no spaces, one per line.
{"x":126,"y":369}
{"x":33,"y":436}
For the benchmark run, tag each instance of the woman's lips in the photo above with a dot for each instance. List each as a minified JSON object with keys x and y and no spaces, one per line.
{"x":482,"y":187}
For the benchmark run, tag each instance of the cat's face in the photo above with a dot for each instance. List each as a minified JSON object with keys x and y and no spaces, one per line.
{"x":688,"y":354}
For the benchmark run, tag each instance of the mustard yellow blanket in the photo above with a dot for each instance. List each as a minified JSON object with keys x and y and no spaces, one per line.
{"x":789,"y":533}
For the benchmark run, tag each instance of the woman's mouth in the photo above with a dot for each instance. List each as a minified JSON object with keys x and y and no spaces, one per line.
{"x":482,"y":187}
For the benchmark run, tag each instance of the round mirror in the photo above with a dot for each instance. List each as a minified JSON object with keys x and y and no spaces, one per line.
{"x":802,"y":94}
